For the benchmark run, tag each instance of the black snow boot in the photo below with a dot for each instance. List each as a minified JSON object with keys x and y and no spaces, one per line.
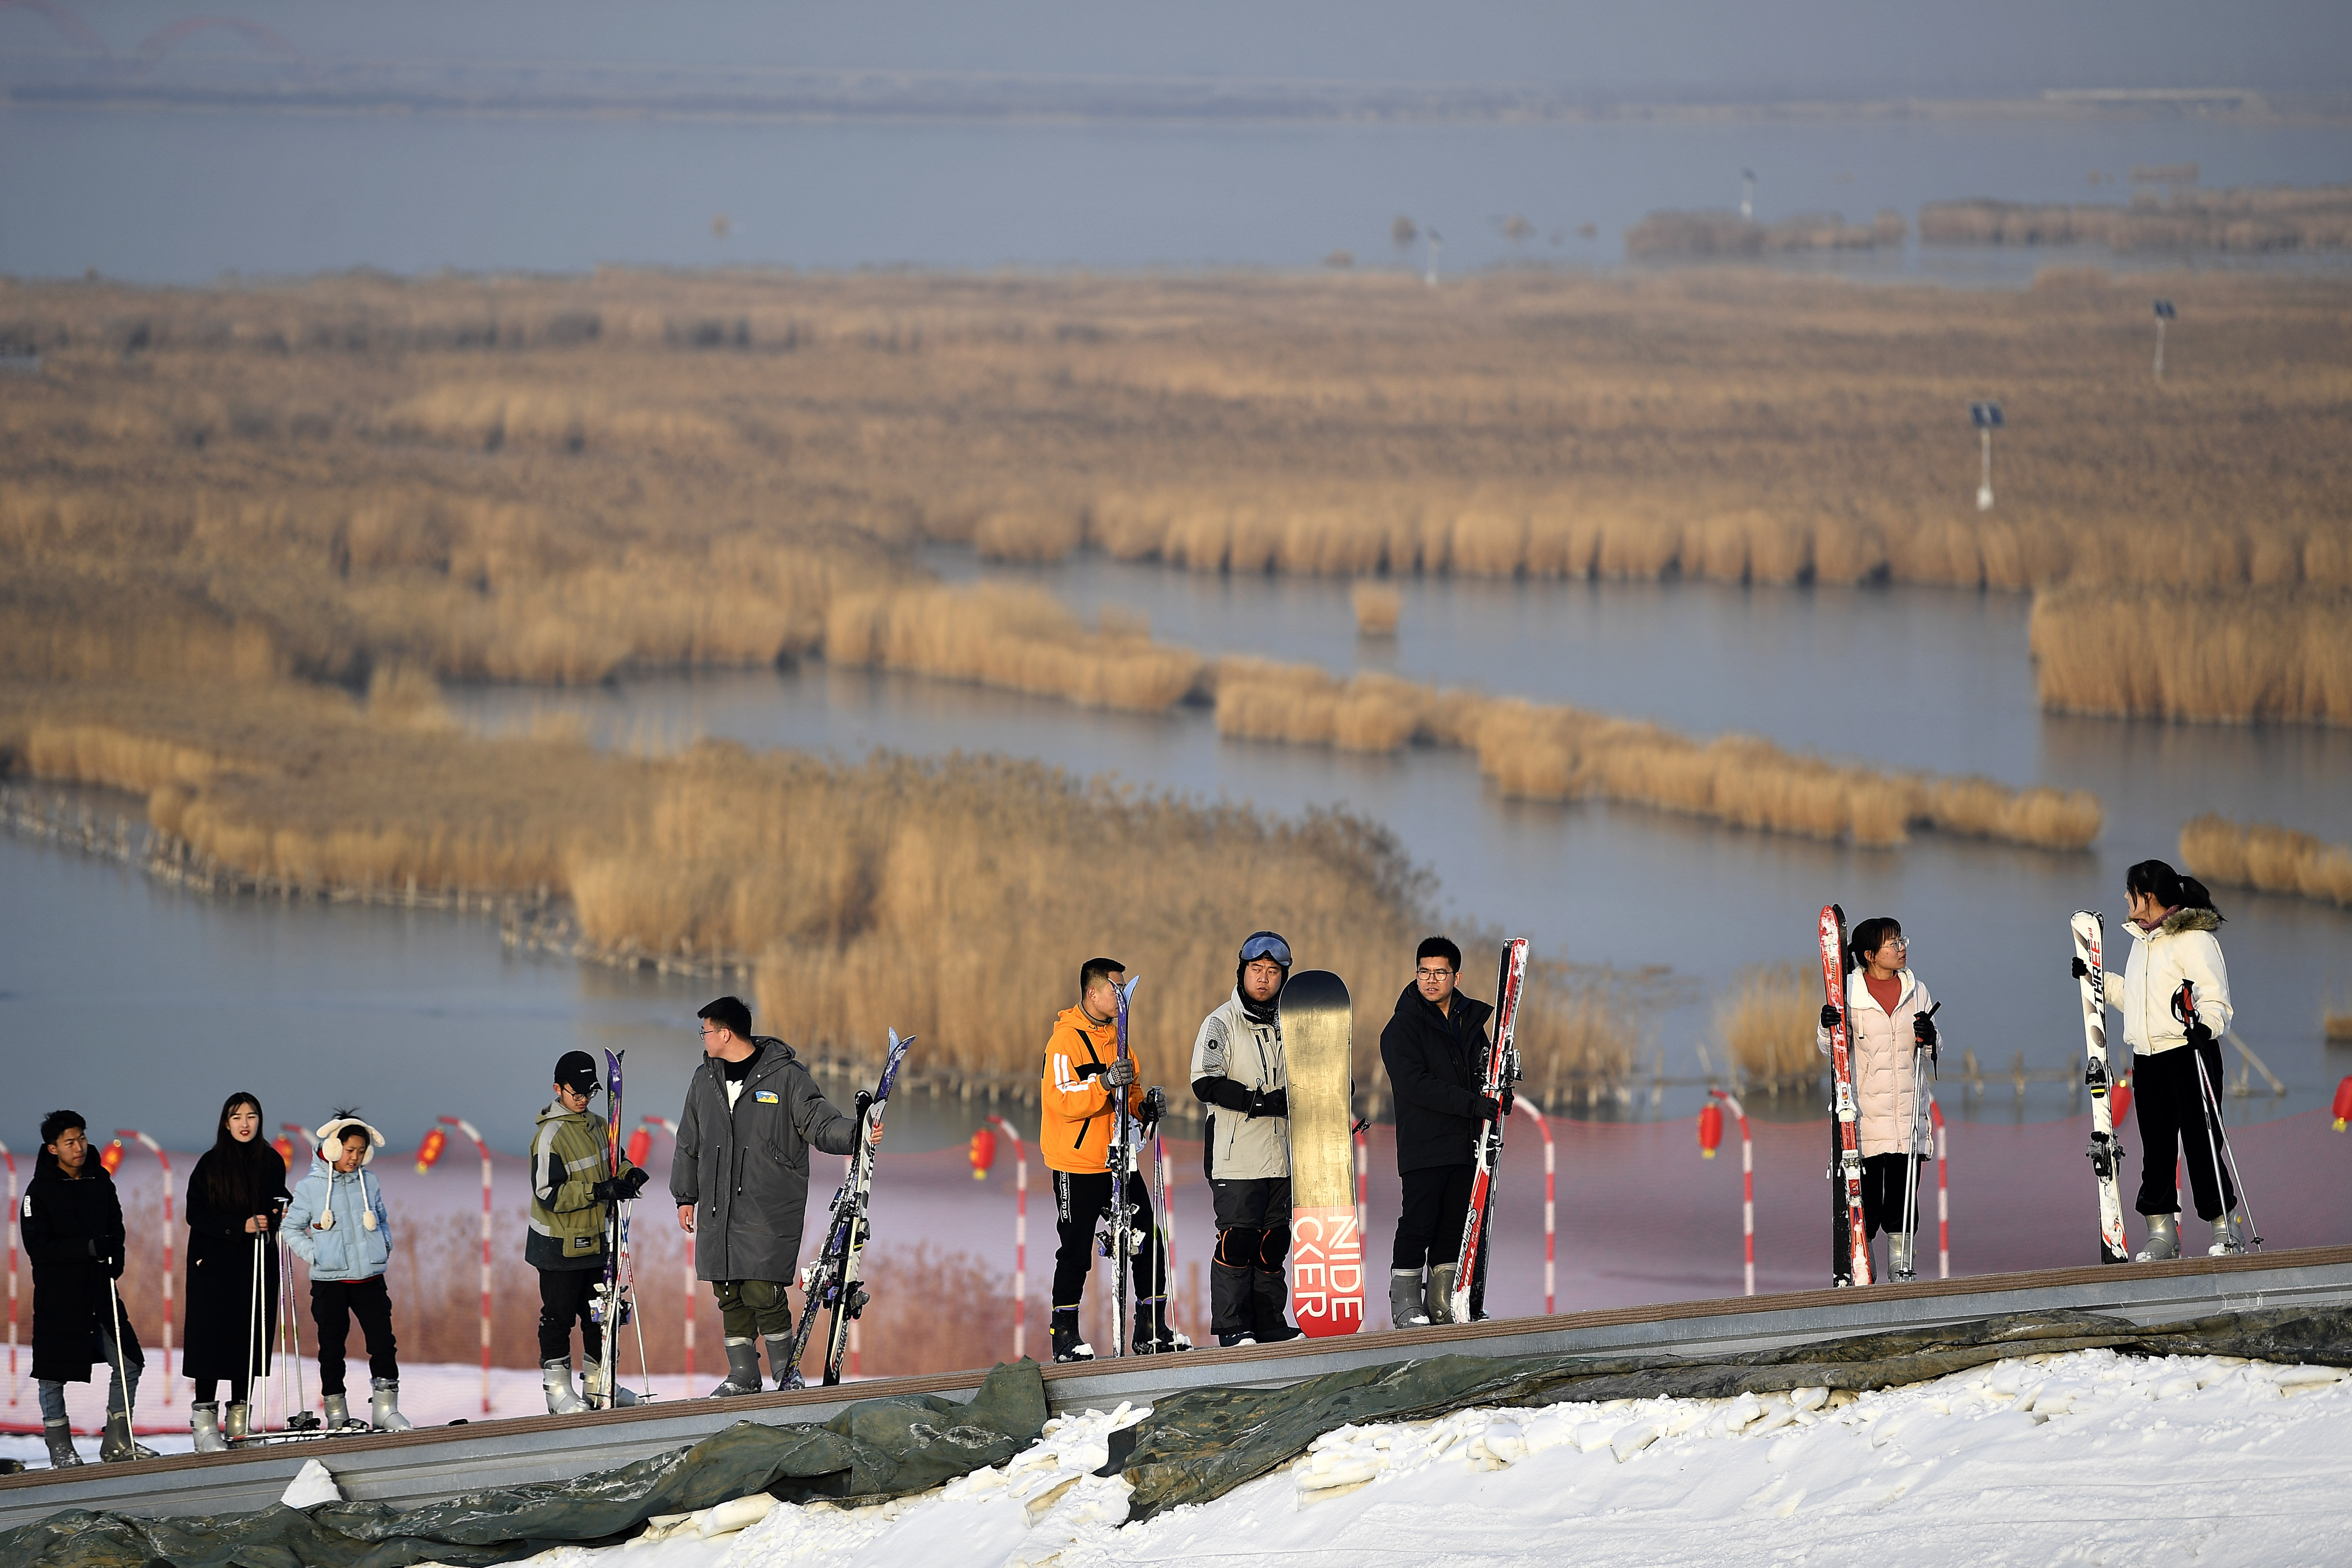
{"x":1068,"y":1345}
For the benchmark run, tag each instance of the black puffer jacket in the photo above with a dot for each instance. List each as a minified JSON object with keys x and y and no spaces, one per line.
{"x":73,"y":1237}
{"x":1434,"y":1060}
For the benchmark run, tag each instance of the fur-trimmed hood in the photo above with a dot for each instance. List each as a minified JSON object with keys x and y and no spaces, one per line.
{"x":331,"y":1132}
{"x":2186,"y":918}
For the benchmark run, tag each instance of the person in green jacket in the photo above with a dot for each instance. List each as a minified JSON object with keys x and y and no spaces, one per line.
{"x":573,"y":1189}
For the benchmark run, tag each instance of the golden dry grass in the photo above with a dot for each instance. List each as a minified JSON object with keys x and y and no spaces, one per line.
{"x":2336,"y":1025}
{"x":1767,"y":1024}
{"x":1378,"y":606}
{"x":1722,"y":234}
{"x":1553,"y":752}
{"x":2264,"y":856}
{"x":1020,"y":638}
{"x":2260,"y":219}
{"x":2266,"y":654}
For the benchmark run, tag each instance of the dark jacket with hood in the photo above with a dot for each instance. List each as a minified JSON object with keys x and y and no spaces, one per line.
{"x":745,"y":1170}
{"x":73,"y":1237}
{"x":1433,"y":1061}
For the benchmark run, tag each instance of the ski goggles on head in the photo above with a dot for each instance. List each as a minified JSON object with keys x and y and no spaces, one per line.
{"x":1265,"y":944}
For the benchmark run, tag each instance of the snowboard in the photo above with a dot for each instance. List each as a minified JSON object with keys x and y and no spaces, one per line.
{"x":1502,"y":1069}
{"x":1850,"y":1250}
{"x":1327,"y":1249}
{"x":830,"y":1279}
{"x":2105,"y":1151}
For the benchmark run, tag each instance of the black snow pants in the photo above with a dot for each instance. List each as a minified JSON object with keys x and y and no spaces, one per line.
{"x":1247,"y":1287}
{"x":2177,"y":1122}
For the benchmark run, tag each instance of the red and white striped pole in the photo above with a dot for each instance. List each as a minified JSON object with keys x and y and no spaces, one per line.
{"x":1710,"y":1134}
{"x":164,"y":1161}
{"x":466,"y":1127}
{"x":666,"y":1125}
{"x":1543,"y":1125}
{"x":5,"y":1154}
{"x":1020,"y":1236}
{"x":1943,"y":1197}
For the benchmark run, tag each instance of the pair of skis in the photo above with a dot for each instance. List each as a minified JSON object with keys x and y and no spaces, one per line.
{"x":1501,"y":1070}
{"x":612,"y":1306}
{"x":1123,"y":1160}
{"x":1850,"y":1247}
{"x":830,"y":1281}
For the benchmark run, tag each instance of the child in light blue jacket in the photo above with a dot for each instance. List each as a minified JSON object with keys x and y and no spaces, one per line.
{"x":338,"y":1225}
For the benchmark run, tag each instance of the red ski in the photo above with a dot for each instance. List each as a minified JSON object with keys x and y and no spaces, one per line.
{"x":1852,"y":1242}
{"x":1502,"y":1071}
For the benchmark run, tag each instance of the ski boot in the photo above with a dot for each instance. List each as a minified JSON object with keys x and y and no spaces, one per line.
{"x":2163,"y":1239}
{"x":562,"y":1399}
{"x":2225,"y":1239}
{"x":1405,"y":1310}
{"x":118,"y":1446}
{"x":594,"y":1385}
{"x":1068,"y":1345}
{"x":236,"y":1423}
{"x":1900,"y":1255}
{"x":203,"y":1425}
{"x":338,"y":1411}
{"x":742,"y":1369}
{"x":1439,"y":1304}
{"x":383,"y":1406}
{"x":62,"y":1454}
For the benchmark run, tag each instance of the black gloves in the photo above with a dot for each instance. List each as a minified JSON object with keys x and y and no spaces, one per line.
{"x":1489,"y":1110}
{"x":1828,"y":1016}
{"x":2081,"y":970}
{"x":617,"y":1189}
{"x":633,"y":1183}
{"x":1155,"y":1106}
{"x":1507,"y":1102}
{"x":2199,"y":1035}
{"x":1119,"y":1074}
{"x":1923,"y":1029}
{"x":1269,"y":1102}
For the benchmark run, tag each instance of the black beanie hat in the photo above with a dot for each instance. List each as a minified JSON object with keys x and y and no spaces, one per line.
{"x":576,"y":1071}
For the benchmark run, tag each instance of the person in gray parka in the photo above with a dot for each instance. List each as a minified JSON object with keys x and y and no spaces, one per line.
{"x":741,"y":1182}
{"x":1238,"y":1073}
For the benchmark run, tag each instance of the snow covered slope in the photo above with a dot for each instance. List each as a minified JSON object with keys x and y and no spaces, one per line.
{"x":2090,"y":1457}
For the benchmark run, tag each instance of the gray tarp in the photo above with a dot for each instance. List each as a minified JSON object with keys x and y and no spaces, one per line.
{"x":875,"y":1449}
{"x":1196,"y":1446}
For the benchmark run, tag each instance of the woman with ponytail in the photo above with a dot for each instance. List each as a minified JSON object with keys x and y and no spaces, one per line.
{"x":1888,"y":1026}
{"x":2172,"y":924}
{"x":235,"y":1197}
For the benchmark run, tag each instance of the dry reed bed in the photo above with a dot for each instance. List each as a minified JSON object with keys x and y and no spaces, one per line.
{"x":2234,"y":654}
{"x":2265,"y":218}
{"x":1766,"y":1023}
{"x":549,"y":479}
{"x":1720,"y":234}
{"x":952,"y":898}
{"x":2264,"y":856}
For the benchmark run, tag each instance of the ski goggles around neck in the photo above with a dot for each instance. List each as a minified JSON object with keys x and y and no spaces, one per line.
{"x":1265,"y":944}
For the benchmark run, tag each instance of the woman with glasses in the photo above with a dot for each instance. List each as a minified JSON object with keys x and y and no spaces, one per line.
{"x":1891,"y":1040}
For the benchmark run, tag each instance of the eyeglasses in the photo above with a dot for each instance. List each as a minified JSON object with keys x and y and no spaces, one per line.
{"x":1896,"y":941}
{"x":1265,"y":944}
{"x":1433,"y":973}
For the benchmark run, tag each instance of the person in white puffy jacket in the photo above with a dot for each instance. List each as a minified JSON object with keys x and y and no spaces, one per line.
{"x":338,"y":1225}
{"x":2171,"y":925}
{"x":1888,"y":1030}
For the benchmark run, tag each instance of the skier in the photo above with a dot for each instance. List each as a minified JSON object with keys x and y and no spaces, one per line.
{"x":1238,"y":1073}
{"x":1082,"y":1072}
{"x":2172,"y":924}
{"x":1435,"y":1047}
{"x":338,"y":1225}
{"x":72,"y":1226}
{"x":573,"y":1190}
{"x":236,"y":1195}
{"x":751,"y":1097}
{"x":1887,"y":1022}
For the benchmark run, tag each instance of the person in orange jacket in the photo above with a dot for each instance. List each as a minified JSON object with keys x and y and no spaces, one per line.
{"x":1082,"y":1072}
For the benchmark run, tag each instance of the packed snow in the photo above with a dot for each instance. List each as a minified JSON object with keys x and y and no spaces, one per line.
{"x":2089,"y":1458}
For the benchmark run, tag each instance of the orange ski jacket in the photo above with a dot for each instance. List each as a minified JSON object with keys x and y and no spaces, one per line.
{"x":1074,"y":1117}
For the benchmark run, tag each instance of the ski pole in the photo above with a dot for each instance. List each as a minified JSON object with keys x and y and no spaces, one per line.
{"x":122,"y":1364}
{"x":1911,"y":1173}
{"x":2184,"y":1009}
{"x":1160,"y":1227}
{"x":629,"y":1264}
{"x":257,"y":1344}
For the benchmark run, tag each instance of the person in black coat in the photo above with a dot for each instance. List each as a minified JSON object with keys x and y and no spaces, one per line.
{"x":236,"y":1195}
{"x":72,"y":1225}
{"x":1434,"y":1049}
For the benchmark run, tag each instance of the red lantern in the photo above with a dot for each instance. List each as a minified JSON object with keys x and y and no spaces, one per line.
{"x":2118,"y":1104}
{"x":1710,"y":1129}
{"x":2343,"y":1103}
{"x":285,"y":1147}
{"x":641,"y":1143}
{"x":110,"y":1159}
{"x":428,"y":1152}
{"x":983,"y":1152}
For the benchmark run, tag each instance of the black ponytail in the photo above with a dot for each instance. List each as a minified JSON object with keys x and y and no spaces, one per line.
{"x":2159,"y":880}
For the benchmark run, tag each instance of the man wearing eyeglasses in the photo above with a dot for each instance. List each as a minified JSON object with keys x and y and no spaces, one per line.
{"x":1239,"y":1074}
{"x":740,"y":1182}
{"x":1434,"y":1047}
